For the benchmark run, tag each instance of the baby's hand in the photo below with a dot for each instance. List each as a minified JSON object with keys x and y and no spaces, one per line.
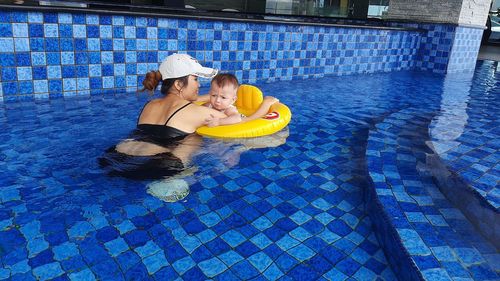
{"x":269,"y":100}
{"x":212,"y":121}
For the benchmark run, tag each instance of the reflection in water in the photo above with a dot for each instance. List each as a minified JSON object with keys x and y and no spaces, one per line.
{"x":212,"y":157}
{"x":452,"y":118}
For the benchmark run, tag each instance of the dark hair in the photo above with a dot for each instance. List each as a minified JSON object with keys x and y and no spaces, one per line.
{"x":153,"y":78}
{"x":223,"y":79}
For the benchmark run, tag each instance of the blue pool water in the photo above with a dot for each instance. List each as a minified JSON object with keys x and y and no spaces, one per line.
{"x":292,"y":211}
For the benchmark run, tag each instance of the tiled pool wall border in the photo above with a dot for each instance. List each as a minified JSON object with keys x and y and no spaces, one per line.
{"x":475,"y":207}
{"x":75,"y":53}
{"x":387,"y":236}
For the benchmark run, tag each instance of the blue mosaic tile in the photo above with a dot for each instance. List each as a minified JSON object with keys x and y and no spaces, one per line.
{"x":288,"y":212}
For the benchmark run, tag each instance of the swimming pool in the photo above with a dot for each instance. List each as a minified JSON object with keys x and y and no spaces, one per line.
{"x":295,"y":210}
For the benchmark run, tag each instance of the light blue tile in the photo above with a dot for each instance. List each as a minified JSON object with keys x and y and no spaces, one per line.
{"x":67,"y":58}
{"x":65,"y":18}
{"x":31,"y":230}
{"x":84,"y":84}
{"x":230,"y":257}
{"x":436,"y":274}
{"x":107,"y":57}
{"x":20,"y":29}
{"x":92,"y":19}
{"x":210,"y":219}
{"x":212,"y":267}
{"x":54,"y":71}
{"x":108,"y":82}
{"x":335,"y":274}
{"x":48,"y":271}
{"x":118,"y":20}
{"x":469,"y":255}
{"x":6,"y":45}
{"x":35,"y":17}
{"x":69,"y":84}
{"x":260,"y":260}
{"x":24,"y":73}
{"x":364,"y":273}
{"x":416,"y":217}
{"x":93,"y":44}
{"x":443,"y":253}
{"x":129,"y":32}
{"x":79,"y":31}
{"x":300,"y":234}
{"x":148,"y":249}
{"x":95,"y":70}
{"x":413,"y":243}
{"x":233,"y":238}
{"x":82,"y":275}
{"x":119,"y":69}
{"x":183,"y":265}
{"x":118,"y":44}
{"x":287,"y":242}
{"x":273,"y":272}
{"x":51,"y":30}
{"x":65,"y":251}
{"x":106,"y":31}
{"x":155,"y":262}
{"x":38,"y":58}
{"x":22,"y":44}
{"x":20,"y":267}
{"x":117,"y":246}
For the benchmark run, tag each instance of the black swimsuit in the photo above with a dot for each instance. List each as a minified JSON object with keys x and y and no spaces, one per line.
{"x":163,"y":132}
{"x":147,"y":167}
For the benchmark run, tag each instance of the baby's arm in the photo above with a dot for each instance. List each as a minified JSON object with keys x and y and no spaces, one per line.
{"x":233,"y":117}
{"x":263,"y":108}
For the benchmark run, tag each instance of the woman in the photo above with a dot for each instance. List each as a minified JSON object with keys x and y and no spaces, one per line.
{"x":164,"y":140}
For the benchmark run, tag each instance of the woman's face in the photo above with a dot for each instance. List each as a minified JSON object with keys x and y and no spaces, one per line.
{"x":190,"y":91}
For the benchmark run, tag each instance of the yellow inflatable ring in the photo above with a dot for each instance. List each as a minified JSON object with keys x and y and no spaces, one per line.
{"x":249,"y":99}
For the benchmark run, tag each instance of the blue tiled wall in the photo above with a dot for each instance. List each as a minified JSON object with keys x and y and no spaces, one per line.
{"x":68,"y":54}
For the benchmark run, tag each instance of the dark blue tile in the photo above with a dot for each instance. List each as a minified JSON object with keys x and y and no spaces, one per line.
{"x":136,"y":238}
{"x":201,"y":253}
{"x":218,"y":246}
{"x":23,"y":59}
{"x":247,"y":249}
{"x":106,"y":234}
{"x":333,"y":255}
{"x":137,"y":272}
{"x":73,"y":264}
{"x":244,"y":270}
{"x":319,"y":264}
{"x":285,"y":262}
{"x":348,"y":266}
{"x":194,"y":274}
{"x":9,"y":74}
{"x":166,"y":273}
{"x":176,"y":252}
{"x":303,"y":272}
{"x":7,"y":59}
{"x":127,"y":260}
{"x":106,"y":270}
{"x":42,"y":258}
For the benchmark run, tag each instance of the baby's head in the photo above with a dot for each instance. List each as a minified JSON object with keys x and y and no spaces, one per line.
{"x":223,"y":89}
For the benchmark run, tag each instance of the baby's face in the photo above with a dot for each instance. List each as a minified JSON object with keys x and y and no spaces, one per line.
{"x":222,"y":97}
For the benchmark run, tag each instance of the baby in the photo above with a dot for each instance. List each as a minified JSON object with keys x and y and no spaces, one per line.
{"x":223,"y":94}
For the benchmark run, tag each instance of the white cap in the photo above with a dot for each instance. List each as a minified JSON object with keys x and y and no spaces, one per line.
{"x":180,"y":65}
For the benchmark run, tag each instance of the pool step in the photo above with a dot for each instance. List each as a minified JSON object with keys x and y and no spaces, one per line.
{"x":424,"y":235}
